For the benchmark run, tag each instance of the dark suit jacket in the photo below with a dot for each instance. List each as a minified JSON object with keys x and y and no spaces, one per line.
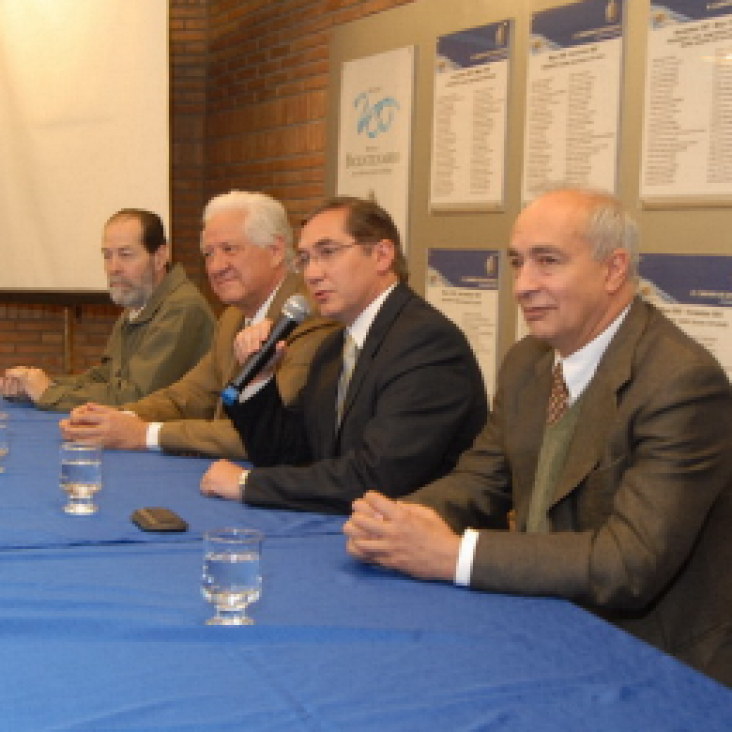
{"x":416,"y":400}
{"x":642,"y":513}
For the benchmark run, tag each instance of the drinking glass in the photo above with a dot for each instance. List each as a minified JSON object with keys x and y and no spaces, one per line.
{"x":4,"y":439}
{"x":231,"y":578}
{"x":81,"y":476}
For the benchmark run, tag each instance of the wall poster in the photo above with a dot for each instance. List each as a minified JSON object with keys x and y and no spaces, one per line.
{"x":469,"y":118}
{"x":687,"y":136}
{"x":573,"y":97}
{"x":695,"y":291}
{"x":463,"y":284}
{"x":375,"y":131}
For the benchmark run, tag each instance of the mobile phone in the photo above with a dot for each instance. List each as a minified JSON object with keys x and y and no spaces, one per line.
{"x":158,"y":519}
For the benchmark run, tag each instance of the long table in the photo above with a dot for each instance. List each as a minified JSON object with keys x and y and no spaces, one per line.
{"x":31,"y":500}
{"x":108,"y":632}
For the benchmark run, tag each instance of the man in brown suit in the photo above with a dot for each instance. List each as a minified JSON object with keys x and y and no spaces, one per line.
{"x":623,"y":497}
{"x":247,"y":247}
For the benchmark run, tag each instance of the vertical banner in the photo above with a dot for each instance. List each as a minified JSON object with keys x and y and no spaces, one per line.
{"x":463,"y":284}
{"x":687,"y":136}
{"x":469,"y":118}
{"x":573,"y":97}
{"x":375,"y":131}
{"x":695,"y":291}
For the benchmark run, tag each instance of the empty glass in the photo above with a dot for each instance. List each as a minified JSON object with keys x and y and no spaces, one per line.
{"x":231,"y":578}
{"x":4,"y":439}
{"x":81,"y":476}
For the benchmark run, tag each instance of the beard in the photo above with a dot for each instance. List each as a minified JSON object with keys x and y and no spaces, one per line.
{"x":129,"y":294}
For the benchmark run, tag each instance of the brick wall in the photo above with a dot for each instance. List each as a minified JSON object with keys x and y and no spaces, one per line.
{"x":267,"y":86}
{"x":248,"y":103}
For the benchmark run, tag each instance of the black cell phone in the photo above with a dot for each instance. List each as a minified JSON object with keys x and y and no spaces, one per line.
{"x":158,"y":519}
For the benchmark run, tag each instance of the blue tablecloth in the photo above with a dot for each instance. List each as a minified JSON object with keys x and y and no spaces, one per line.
{"x":31,"y":500}
{"x":102,"y":627}
{"x":113,"y":638}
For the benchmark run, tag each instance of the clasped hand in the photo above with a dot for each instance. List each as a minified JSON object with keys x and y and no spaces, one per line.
{"x":404,"y":536}
{"x":105,"y":426}
{"x":22,"y":382}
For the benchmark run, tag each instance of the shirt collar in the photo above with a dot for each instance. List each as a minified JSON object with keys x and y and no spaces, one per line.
{"x":360,"y":327}
{"x":580,"y":367}
{"x":264,"y":307}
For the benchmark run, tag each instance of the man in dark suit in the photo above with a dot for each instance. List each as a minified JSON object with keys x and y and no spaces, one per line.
{"x":396,"y":413}
{"x":621,"y":487}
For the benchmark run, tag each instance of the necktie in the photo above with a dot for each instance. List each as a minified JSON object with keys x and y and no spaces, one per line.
{"x":350,"y":353}
{"x":559,"y":397}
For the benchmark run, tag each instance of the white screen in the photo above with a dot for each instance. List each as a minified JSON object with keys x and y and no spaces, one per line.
{"x":83,"y":132}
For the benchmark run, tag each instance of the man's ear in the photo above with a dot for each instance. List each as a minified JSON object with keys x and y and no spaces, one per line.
{"x":618,"y":265}
{"x":385,"y":254}
{"x":277,"y":248}
{"x":161,"y":258}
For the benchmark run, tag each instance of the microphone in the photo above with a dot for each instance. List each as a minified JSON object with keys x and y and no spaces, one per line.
{"x":294,"y":311}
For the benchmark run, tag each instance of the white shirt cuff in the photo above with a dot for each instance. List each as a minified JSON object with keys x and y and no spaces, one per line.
{"x":464,"y":567}
{"x":152,"y":436}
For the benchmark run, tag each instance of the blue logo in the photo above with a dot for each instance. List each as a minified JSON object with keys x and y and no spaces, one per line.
{"x":373,"y":120}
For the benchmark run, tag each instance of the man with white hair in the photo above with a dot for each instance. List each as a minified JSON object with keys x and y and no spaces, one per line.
{"x":246,"y":245}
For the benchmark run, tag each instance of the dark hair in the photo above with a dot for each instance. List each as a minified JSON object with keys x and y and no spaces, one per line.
{"x":153,"y":231}
{"x":367,"y":222}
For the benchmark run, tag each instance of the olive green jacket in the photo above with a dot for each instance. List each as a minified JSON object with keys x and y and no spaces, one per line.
{"x":162,"y":343}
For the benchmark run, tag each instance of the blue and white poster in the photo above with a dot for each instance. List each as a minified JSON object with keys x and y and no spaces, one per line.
{"x":687,"y":135}
{"x":463,"y":284}
{"x":695,"y":291}
{"x":469,"y":118}
{"x":573,"y":97}
{"x":375,"y":131}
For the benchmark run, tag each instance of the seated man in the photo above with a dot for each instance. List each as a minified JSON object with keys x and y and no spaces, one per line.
{"x":620,"y":473}
{"x":247,"y":247}
{"x":396,"y":409}
{"x":164,"y":330}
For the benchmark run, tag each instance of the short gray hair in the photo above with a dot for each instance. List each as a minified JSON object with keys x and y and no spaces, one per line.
{"x":609,"y":224}
{"x":265,"y":218}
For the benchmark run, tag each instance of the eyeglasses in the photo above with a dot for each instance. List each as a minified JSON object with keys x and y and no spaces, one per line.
{"x":325,"y":253}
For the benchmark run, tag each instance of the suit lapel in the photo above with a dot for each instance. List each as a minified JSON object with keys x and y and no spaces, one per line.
{"x":531,"y":426}
{"x":291,"y":285}
{"x":392,"y":306}
{"x":600,"y":403}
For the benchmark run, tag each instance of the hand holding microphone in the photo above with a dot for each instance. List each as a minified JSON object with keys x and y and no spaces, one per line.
{"x":294,"y":311}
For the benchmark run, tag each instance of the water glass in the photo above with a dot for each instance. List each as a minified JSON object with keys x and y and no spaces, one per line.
{"x":231,"y":578}
{"x":4,"y":439}
{"x":81,"y":476}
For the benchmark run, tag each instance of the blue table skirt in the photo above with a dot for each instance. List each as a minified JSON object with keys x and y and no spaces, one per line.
{"x":114,"y":637}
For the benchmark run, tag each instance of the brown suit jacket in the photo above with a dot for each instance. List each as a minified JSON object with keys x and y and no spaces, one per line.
{"x":191,"y":408}
{"x":642,"y":513}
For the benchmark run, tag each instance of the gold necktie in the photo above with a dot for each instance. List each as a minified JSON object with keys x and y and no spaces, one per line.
{"x":350,"y":353}
{"x":559,"y":397}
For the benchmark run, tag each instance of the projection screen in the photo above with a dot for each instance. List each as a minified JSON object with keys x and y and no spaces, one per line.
{"x":83,"y":133}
